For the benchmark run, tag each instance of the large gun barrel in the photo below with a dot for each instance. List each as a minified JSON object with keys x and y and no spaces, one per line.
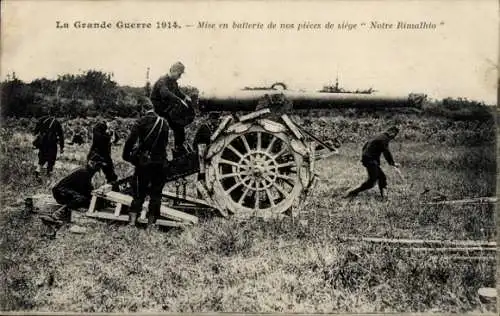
{"x":246,"y":100}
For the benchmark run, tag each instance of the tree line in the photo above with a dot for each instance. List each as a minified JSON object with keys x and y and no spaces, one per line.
{"x":89,"y":93}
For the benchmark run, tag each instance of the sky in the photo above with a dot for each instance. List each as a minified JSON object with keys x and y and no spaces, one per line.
{"x":458,"y":58}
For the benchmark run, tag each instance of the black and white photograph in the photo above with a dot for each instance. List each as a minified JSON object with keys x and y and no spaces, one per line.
{"x":249,"y":156}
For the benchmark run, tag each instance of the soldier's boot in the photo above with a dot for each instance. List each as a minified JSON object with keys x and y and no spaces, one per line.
{"x":152,"y":218}
{"x":351,"y":195}
{"x":59,"y":217}
{"x":132,"y":219}
{"x":382,"y":196}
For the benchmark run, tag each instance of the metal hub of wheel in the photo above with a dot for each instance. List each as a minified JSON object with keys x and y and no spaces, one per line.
{"x":256,"y":172}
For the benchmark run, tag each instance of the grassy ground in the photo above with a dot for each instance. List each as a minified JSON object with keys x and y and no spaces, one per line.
{"x":277,"y":265}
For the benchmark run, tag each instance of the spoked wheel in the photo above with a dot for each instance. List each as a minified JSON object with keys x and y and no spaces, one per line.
{"x":256,"y":172}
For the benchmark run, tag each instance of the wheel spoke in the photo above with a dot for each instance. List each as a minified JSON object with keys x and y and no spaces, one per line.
{"x":271,"y":143}
{"x":285,"y":177}
{"x":232,"y":163}
{"x":231,"y":147}
{"x":257,"y":200}
{"x":286,"y":164}
{"x":229,"y":175}
{"x":281,"y":152}
{"x":259,"y":141}
{"x":280,"y":189}
{"x":242,"y":197}
{"x":245,"y":143}
{"x":231,"y":189}
{"x":270,"y":197}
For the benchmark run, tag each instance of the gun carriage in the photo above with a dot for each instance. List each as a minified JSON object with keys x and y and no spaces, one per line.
{"x":259,"y":162}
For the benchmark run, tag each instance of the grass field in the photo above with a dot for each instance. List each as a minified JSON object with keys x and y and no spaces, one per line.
{"x":275,"y":265}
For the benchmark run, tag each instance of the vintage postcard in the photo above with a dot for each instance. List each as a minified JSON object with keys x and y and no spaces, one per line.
{"x":249,"y":156}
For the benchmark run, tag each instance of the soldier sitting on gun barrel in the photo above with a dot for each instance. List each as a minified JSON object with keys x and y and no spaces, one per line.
{"x":175,"y":106}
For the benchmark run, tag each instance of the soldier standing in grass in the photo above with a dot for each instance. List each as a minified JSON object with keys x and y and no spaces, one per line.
{"x":73,"y":191}
{"x":371,"y":161}
{"x":146,"y":149}
{"x":48,"y":133}
{"x":100,"y":151}
{"x":175,"y":106}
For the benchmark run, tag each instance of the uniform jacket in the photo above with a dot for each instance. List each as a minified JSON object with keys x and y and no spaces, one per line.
{"x":138,"y":135}
{"x":377,"y":146}
{"x":166,"y":91}
{"x":80,"y":181}
{"x":52,"y":129}
{"x":101,"y":142}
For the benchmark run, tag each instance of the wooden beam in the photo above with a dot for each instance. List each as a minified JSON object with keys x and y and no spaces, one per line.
{"x":103,"y":215}
{"x":202,"y":149}
{"x":221,"y":127}
{"x":457,"y":243}
{"x":465,"y":201}
{"x":253,"y":115}
{"x":292,"y":126}
{"x":203,"y":191}
{"x":187,"y":198}
{"x":175,"y":214}
{"x":453,"y":249}
{"x":166,"y":211}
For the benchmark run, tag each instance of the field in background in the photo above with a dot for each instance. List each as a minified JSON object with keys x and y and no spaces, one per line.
{"x":277,"y":265}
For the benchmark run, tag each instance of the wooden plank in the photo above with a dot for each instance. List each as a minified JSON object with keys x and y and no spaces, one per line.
{"x":453,"y":249}
{"x":312,"y":153}
{"x":163,"y":222}
{"x":253,"y":115}
{"x":118,"y":209}
{"x":221,"y":127}
{"x":324,"y":153}
{"x":292,"y":126}
{"x":175,"y":214}
{"x":115,"y":197}
{"x":92,"y":204}
{"x":202,"y":148}
{"x":465,"y":201}
{"x":457,"y":243}
{"x":143,"y":214}
{"x":187,"y":198}
{"x":166,"y":211}
{"x":103,"y":215}
{"x":471,"y":258}
{"x":203,"y":191}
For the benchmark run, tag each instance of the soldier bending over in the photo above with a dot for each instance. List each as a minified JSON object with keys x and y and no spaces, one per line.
{"x":73,"y":191}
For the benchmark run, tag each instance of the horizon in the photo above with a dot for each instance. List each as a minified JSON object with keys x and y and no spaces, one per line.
{"x":450,"y":61}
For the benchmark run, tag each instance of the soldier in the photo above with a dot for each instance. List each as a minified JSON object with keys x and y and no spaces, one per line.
{"x":73,"y":191}
{"x":146,"y":149}
{"x":79,"y":135}
{"x":175,"y":106}
{"x":49,"y":133}
{"x":371,"y":161}
{"x":100,"y":151}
